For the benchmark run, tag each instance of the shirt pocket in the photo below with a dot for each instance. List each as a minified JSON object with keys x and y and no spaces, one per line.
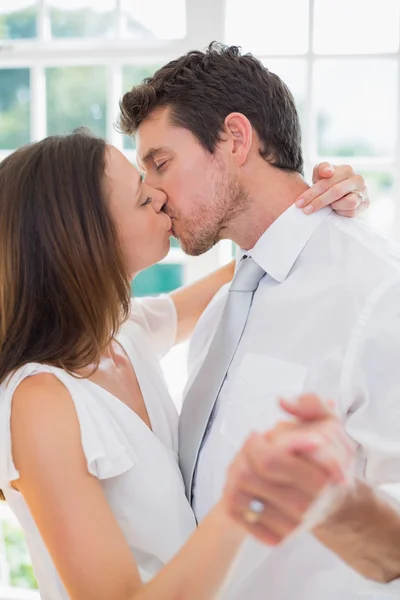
{"x":253,"y":396}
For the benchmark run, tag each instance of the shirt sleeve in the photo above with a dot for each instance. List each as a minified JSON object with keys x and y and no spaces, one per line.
{"x":158,"y":316}
{"x":371,"y":403}
{"x":371,"y":590}
{"x":371,"y":387}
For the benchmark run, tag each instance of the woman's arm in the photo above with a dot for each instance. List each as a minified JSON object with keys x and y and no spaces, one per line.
{"x":76,"y":523}
{"x":191,"y":300}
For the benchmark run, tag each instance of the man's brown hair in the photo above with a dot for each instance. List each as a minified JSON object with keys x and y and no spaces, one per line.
{"x":202,"y":88}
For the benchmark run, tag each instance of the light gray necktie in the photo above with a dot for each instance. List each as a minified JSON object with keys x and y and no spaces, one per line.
{"x":203,"y":393}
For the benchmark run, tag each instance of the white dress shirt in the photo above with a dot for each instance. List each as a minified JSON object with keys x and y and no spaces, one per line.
{"x":309,"y":329}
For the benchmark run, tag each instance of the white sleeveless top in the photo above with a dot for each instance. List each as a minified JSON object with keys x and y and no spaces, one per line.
{"x":138,"y":468}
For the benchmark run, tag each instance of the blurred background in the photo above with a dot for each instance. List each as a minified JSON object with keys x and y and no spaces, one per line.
{"x":66,"y":63}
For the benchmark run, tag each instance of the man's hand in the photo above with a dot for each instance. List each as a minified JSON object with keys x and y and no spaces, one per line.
{"x":286,"y":469}
{"x":317,"y":422}
{"x":363,"y":526}
{"x":338,"y":186}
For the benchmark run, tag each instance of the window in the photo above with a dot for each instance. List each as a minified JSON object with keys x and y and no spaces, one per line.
{"x":376,"y":21}
{"x":264,"y":27}
{"x":80,"y":18}
{"x":19,"y":22}
{"x":66,"y":63}
{"x":341,"y":60}
{"x":294,"y":74}
{"x":69,"y":91}
{"x":131,"y":76}
{"x":17,"y":579}
{"x":76,"y":96}
{"x":14,"y":107}
{"x":156,"y":20}
{"x":355,"y":120}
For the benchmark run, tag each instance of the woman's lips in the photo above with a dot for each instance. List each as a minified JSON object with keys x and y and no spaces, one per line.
{"x":169,"y":224}
{"x":171,"y":230}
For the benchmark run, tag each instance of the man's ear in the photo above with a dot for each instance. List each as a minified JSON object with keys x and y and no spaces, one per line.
{"x":239,"y":131}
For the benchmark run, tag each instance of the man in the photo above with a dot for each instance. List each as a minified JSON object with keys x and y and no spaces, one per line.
{"x":219,"y":134}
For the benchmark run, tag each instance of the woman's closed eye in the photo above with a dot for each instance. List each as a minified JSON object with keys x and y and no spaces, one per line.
{"x":147,"y":201}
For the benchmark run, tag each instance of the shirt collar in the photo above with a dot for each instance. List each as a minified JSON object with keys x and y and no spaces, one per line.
{"x":282,"y":243}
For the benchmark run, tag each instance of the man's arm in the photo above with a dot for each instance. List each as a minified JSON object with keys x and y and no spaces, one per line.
{"x":360,"y":523}
{"x":364,"y":530}
{"x":363,"y":523}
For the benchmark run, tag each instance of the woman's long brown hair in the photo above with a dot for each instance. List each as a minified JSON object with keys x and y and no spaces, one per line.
{"x":64,"y":288}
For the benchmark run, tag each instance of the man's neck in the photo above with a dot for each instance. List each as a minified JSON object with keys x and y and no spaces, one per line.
{"x":271,"y":193}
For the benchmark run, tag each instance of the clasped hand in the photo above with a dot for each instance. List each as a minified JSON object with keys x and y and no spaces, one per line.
{"x":281,"y":473}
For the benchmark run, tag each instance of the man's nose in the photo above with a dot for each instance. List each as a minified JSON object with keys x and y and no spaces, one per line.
{"x":159,"y":200}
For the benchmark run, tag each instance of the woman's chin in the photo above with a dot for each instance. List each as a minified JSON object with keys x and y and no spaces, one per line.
{"x":167,"y":245}
{"x":157,"y":258}
{"x":164,"y":252}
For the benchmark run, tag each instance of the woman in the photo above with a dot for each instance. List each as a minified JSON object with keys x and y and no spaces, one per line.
{"x":88,"y":444}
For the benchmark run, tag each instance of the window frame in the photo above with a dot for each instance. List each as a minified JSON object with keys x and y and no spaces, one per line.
{"x":205,"y":21}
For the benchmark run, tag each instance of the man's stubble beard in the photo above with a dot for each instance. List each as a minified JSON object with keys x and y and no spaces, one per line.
{"x":213,"y":218}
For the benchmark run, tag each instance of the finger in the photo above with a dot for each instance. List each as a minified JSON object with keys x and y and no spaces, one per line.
{"x":334,"y":452}
{"x":350,"y":202}
{"x":322,"y":170}
{"x":257,"y":530}
{"x":307,"y":407}
{"x":338,"y":445}
{"x":272,"y":519}
{"x":313,"y":192}
{"x":365,"y":205}
{"x":334,"y":193}
{"x":325,"y":430}
{"x":322,"y":438}
{"x":343,"y":207}
{"x":270,"y":463}
{"x":287,"y":500}
{"x":342,"y":175}
{"x":290,"y":500}
{"x":282,"y":426}
{"x":350,"y":214}
{"x":329,"y":455}
{"x":261,"y":533}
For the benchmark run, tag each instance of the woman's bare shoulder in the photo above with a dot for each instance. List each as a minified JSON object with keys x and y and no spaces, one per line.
{"x":39,"y":389}
{"x":43,"y":416}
